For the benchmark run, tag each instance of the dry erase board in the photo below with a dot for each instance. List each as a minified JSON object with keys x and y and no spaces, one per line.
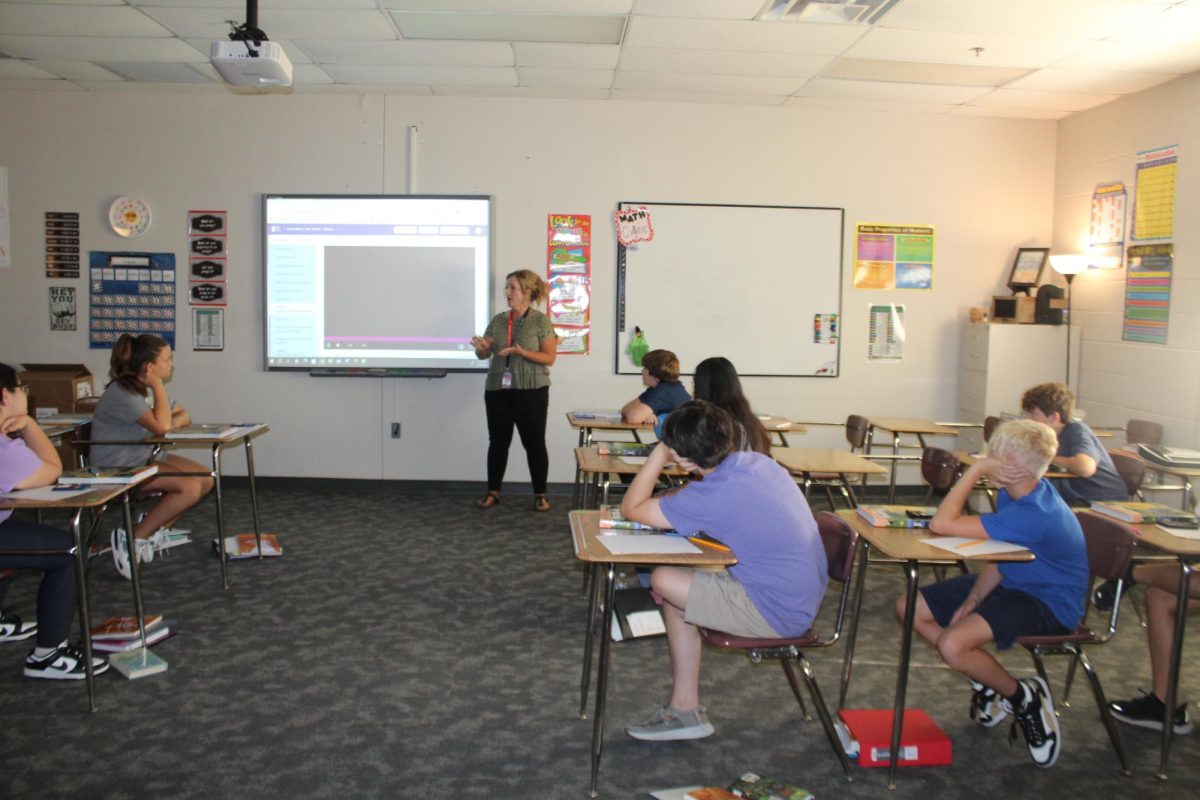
{"x":759,"y":285}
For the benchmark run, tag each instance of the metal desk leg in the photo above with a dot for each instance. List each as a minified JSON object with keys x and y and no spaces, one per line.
{"x":848,"y":491}
{"x":864,"y":556}
{"x":590,"y":639}
{"x":81,"y":599}
{"x":610,"y":584}
{"x":895,"y":461}
{"x":135,"y":572}
{"x":910,"y":613}
{"x":253,"y":497}
{"x":1185,"y":576}
{"x":216,"y":476}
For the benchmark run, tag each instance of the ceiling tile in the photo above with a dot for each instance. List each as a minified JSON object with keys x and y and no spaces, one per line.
{"x":880,"y":90}
{"x":565,"y":28}
{"x":77,"y":70}
{"x":412,"y":53}
{"x":463,"y":76}
{"x":1086,"y":81}
{"x":567,"y":56}
{"x":80,"y":48}
{"x":956,"y":48}
{"x":706,"y":9}
{"x":1052,"y":101}
{"x":282,"y":23}
{"x":722,"y":62}
{"x":11,"y":68}
{"x":1176,"y":25}
{"x":755,"y":37}
{"x":514,"y":6}
{"x":1063,"y":19}
{"x":1136,"y":57}
{"x":20,"y":19}
{"x":585,"y":78}
{"x":240,"y":8}
{"x":1015,"y":113}
{"x":153,"y":72}
{"x":37,"y":85}
{"x":707,"y":84}
{"x":915,"y":72}
{"x":696,"y":97}
{"x":310,"y":74}
{"x":549,"y":92}
{"x":885,"y":106}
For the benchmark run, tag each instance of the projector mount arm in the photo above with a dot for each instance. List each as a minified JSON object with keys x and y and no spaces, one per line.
{"x":249,"y":31}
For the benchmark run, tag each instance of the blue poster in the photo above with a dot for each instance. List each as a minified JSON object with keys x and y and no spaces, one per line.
{"x":130,"y":293}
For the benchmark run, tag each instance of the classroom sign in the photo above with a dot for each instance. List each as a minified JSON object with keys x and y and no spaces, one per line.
{"x":893,"y":256}
{"x":569,"y":280}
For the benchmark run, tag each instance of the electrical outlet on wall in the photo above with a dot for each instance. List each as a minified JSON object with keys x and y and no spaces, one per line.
{"x":395,"y":430}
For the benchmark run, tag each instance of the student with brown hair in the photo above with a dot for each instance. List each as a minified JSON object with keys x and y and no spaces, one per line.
{"x":664,"y":393}
{"x":1079,"y":451}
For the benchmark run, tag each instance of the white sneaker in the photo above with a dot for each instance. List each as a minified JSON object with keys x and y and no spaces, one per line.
{"x":120,"y":552}
{"x":145,"y":550}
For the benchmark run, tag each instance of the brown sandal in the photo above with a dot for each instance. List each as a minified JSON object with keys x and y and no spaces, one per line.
{"x":489,"y":500}
{"x":540,"y":503}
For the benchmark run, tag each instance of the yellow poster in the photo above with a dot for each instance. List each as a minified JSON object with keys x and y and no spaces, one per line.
{"x":1154,"y":198}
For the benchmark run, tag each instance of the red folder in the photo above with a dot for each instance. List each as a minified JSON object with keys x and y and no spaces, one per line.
{"x":922,"y":742}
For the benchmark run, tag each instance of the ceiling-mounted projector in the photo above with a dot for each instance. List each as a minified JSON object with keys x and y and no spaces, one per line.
{"x":248,"y":59}
{"x":247,"y":63}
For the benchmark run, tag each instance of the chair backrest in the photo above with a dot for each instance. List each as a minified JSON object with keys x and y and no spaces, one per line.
{"x":856,"y":431}
{"x":1143,"y":431}
{"x":939,"y":468}
{"x":1110,"y":545}
{"x":839,"y":539}
{"x":1132,"y":470}
{"x":989,"y":427}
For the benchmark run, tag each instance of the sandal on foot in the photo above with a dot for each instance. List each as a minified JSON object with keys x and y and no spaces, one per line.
{"x":488,"y":500}
{"x":540,"y":503}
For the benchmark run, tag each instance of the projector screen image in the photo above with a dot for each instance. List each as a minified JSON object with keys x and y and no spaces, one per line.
{"x":365,"y":282}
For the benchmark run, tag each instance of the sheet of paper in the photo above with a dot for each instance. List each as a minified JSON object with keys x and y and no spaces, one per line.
{"x":635,"y":461}
{"x":1182,"y":533}
{"x":44,"y":493}
{"x":646,"y":623}
{"x":973,"y":547}
{"x":639,"y":544}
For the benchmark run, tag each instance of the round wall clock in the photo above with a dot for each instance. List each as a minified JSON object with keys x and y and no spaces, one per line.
{"x":129,"y":217}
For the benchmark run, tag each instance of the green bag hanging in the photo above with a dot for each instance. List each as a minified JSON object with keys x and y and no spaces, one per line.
{"x":637,"y":348}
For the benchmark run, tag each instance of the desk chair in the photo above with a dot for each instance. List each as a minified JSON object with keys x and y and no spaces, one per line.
{"x":1110,"y":547}
{"x":139,"y":497}
{"x":1143,"y":431}
{"x":839,"y":540}
{"x":989,"y":427}
{"x":1132,"y":471}
{"x":940,"y":469}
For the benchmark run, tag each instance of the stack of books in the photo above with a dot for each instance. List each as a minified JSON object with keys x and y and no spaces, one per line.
{"x":750,"y":786}
{"x":1138,"y":513}
{"x":120,"y":634}
{"x":611,"y":517}
{"x":624,"y":449}
{"x":597,"y":414}
{"x":897,"y":516}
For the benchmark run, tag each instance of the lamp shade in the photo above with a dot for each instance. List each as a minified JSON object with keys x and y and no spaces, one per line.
{"x":1069,"y":263}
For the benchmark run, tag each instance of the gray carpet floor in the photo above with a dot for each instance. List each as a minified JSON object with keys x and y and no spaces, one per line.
{"x":409,"y":645}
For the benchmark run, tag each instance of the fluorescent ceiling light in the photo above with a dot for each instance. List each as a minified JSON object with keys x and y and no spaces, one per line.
{"x":569,"y":28}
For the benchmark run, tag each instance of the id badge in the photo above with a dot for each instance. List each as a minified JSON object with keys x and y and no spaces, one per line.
{"x":506,"y":380}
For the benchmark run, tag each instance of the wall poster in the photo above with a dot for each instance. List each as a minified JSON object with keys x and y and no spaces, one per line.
{"x":568,"y":280}
{"x":130,"y":293}
{"x":1108,"y":215}
{"x":1147,"y":293}
{"x":1154,"y":197}
{"x":893,"y":256}
{"x":885,"y":338}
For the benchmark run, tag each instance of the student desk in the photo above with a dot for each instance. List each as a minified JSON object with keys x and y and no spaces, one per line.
{"x":903,"y":426}
{"x":587,"y":426}
{"x":805,"y":462}
{"x":1187,"y":551}
{"x":903,"y":544}
{"x":244,"y":435}
{"x":780,"y":427}
{"x":101,"y":495}
{"x":1185,"y":475}
{"x":593,"y":491}
{"x":589,"y":548}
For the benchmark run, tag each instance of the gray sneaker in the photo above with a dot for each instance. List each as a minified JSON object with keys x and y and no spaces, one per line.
{"x":669,"y":724}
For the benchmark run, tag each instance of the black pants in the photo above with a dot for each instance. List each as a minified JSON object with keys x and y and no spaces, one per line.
{"x":56,"y":595}
{"x":527,"y":409}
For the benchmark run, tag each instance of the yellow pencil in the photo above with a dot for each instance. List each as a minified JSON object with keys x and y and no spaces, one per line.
{"x":971,"y":543}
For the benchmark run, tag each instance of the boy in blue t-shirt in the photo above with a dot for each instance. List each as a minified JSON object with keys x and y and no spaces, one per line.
{"x":664,"y":392}
{"x":1008,"y":600}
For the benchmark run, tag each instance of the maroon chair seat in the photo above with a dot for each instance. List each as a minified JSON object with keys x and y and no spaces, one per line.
{"x":721,"y":639}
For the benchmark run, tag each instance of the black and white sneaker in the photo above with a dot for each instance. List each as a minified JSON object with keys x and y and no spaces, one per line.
{"x":1147,"y":712}
{"x":12,"y":629}
{"x":1037,"y":721}
{"x":66,"y":663}
{"x":987,"y":707}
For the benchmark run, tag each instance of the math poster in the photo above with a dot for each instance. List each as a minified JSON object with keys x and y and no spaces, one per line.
{"x":1154,"y":197}
{"x":1148,"y":293}
{"x":885,"y":336}
{"x":130,"y":293}
{"x":893,"y":256}
{"x":1108,"y":215}
{"x":569,"y":280}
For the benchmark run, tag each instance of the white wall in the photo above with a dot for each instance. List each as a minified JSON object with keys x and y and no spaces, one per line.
{"x":986,"y":184}
{"x":1123,"y":380}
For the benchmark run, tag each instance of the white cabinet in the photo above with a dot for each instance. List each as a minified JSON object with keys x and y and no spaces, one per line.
{"x":1000,"y":361}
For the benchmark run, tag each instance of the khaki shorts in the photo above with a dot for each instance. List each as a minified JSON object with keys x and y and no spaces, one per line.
{"x":718,"y":601}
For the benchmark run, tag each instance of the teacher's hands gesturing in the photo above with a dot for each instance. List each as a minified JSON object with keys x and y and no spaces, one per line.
{"x":483,"y":346}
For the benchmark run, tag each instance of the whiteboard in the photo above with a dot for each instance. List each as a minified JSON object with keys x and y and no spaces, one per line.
{"x":759,"y":285}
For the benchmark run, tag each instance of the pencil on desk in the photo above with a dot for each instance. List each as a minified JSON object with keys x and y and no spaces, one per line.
{"x":709,"y":543}
{"x":971,"y":543}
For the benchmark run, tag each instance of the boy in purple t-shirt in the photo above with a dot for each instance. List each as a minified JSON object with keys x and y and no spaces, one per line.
{"x":751,"y":504}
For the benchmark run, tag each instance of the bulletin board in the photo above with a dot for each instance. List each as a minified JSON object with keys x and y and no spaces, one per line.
{"x":759,"y":285}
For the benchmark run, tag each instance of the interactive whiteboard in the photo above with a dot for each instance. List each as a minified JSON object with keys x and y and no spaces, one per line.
{"x":759,"y":285}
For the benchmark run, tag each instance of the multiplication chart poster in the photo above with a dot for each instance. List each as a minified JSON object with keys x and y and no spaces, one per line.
{"x":130,"y":293}
{"x":1154,"y":197}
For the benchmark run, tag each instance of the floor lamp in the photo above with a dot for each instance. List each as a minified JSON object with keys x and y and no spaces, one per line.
{"x":1069,"y":265}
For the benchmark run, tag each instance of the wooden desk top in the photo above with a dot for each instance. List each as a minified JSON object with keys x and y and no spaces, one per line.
{"x":910,"y":425}
{"x":589,"y":546}
{"x":775,"y":424}
{"x":245,"y":431}
{"x":906,"y":544}
{"x":101,"y":495}
{"x":606,"y":424}
{"x":589,"y":459}
{"x":1160,"y":539}
{"x":811,"y":459}
{"x":1182,"y":472}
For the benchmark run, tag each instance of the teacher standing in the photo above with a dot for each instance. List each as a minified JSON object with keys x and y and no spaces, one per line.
{"x":523,"y":347}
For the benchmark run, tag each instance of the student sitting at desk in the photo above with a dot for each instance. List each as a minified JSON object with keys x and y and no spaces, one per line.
{"x":664,"y":393}
{"x":135,"y":405}
{"x":751,"y":504}
{"x":1005,"y":601}
{"x":27,"y":461}
{"x":1079,"y":451}
{"x":718,"y":383}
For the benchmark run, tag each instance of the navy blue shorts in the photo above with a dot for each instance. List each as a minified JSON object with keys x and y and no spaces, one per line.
{"x":1009,"y":612}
